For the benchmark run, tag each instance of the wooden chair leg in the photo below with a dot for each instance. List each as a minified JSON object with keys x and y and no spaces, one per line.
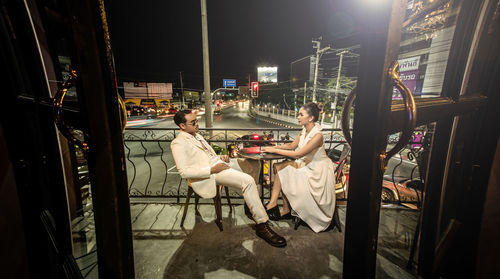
{"x":228,"y":199}
{"x":196,"y":203}
{"x":179,"y":189}
{"x":186,"y":205}
{"x":218,"y":209}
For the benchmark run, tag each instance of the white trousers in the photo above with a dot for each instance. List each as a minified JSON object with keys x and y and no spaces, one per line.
{"x":245,"y":184}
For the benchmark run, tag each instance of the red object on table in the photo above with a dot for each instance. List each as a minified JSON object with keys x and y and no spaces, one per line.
{"x":251,"y":150}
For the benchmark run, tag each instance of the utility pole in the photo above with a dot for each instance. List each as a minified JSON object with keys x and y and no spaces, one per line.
{"x":250,"y":94}
{"x":182,"y":90}
{"x":206,"y":66}
{"x":305,"y":92}
{"x":318,"y":47}
{"x":334,"y":105}
{"x":319,"y":52}
{"x":295,"y":102}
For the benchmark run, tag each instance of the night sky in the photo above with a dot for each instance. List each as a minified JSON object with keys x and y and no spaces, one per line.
{"x":154,"y":40}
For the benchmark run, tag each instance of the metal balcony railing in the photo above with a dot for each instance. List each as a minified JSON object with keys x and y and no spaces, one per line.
{"x":151,"y":168}
{"x":152,"y":174}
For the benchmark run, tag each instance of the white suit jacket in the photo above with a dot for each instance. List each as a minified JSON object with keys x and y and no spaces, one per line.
{"x":194,"y":164}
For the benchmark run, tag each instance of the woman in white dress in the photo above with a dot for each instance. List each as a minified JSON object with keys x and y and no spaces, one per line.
{"x":308,"y":183}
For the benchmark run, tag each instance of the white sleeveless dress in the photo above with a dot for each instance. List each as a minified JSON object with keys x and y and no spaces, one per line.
{"x":310,"y":188}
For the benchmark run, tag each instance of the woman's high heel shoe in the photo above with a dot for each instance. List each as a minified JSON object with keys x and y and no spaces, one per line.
{"x":286,"y":216}
{"x":273,"y":213}
{"x":296,"y":221}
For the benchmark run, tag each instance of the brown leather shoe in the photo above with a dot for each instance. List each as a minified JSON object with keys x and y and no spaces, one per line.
{"x":265,"y":232}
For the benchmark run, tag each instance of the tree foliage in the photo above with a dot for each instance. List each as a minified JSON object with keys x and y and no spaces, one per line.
{"x":346,"y":83}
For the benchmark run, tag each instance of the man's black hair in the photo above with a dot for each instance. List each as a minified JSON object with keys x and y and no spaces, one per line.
{"x":180,"y":116}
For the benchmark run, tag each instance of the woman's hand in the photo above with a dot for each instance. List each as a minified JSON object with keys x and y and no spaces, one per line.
{"x":268,"y":149}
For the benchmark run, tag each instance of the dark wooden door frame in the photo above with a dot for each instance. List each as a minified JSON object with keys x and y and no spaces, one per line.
{"x":33,"y":146}
{"x":380,"y":40}
{"x":375,"y":117}
{"x":106,"y":156}
{"x":474,"y":138}
{"x":437,"y":171}
{"x":98,"y":104}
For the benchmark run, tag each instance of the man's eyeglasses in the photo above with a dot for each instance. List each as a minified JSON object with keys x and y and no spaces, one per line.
{"x":193,"y":123}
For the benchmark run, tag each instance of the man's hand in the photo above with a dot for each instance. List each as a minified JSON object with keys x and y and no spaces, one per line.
{"x":225,"y":158}
{"x":218,"y":168}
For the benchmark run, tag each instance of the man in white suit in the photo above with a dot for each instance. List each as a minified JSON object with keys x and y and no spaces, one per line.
{"x":198,"y":162}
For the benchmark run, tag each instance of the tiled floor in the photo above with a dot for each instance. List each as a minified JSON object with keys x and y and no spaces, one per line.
{"x":162,"y":249}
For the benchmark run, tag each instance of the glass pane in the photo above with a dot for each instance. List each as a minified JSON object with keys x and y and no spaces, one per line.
{"x":402,"y":189}
{"x":71,"y":98}
{"x":82,"y":216}
{"x":423,"y":57}
{"x":425,"y":44}
{"x":54,"y":35}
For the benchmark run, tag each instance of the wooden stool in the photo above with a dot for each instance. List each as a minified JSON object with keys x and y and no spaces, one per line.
{"x":217,"y":204}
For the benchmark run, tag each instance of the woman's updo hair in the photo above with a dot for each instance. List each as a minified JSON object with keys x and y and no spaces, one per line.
{"x":312,"y":109}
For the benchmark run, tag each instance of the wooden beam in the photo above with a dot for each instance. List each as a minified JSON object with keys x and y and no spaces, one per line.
{"x":433,"y":109}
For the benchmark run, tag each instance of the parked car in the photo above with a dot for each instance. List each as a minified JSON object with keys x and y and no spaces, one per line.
{"x":136,"y":110}
{"x":402,"y":189}
{"x":172,"y":110}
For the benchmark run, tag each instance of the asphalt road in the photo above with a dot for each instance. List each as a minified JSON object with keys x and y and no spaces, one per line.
{"x":234,"y":116}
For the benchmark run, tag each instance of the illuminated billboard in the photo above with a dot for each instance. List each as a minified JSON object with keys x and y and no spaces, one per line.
{"x":148,"y":90}
{"x":408,"y":73}
{"x":267,"y":74}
